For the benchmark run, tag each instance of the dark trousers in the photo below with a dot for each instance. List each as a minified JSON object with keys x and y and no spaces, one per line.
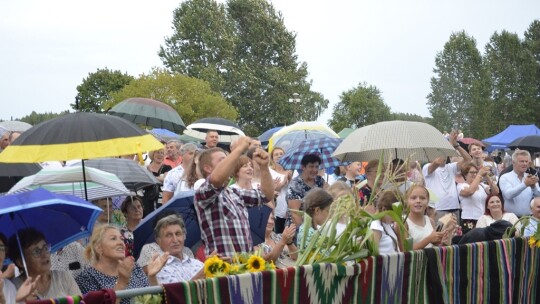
{"x":279,"y":225}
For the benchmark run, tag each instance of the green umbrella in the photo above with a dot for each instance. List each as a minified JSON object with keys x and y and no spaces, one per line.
{"x":149,"y":112}
{"x":345,"y":132}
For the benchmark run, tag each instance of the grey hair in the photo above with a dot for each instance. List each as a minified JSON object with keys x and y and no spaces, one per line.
{"x":177,"y":143}
{"x":189,"y":147}
{"x":169,"y":220}
{"x":520,"y":153}
{"x":533,"y":200}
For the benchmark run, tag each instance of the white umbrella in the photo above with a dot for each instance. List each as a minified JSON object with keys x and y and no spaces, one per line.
{"x":411,"y":140}
{"x":15,"y":126}
{"x":70,"y":180}
{"x":228,"y":131}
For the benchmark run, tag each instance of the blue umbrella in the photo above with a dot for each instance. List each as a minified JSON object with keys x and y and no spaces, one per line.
{"x":61,"y":218}
{"x":323,"y":147}
{"x":183,"y":204}
{"x":265,"y":137}
{"x":258,"y":218}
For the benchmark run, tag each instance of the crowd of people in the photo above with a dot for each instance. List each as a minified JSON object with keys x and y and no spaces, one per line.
{"x":448,"y":201}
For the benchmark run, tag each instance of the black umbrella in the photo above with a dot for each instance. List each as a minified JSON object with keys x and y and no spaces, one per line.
{"x":227,"y":130}
{"x":10,"y":174}
{"x":149,"y":112}
{"x":530,"y":143}
{"x":133,"y":176}
{"x":80,"y":135}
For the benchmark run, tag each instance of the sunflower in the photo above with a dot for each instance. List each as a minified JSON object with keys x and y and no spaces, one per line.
{"x":255,"y":263}
{"x":534,"y":242}
{"x":213,"y":266}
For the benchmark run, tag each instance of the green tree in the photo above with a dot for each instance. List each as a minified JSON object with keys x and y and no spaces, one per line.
{"x":245,"y":51}
{"x":458,"y":87}
{"x":36,"y":118}
{"x":96,"y":89}
{"x":358,"y":107}
{"x":190,"y":97}
{"x":410,"y":117}
{"x":511,"y":70}
{"x":532,"y":46}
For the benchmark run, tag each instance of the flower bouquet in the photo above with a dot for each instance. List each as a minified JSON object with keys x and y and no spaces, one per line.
{"x":215,"y":266}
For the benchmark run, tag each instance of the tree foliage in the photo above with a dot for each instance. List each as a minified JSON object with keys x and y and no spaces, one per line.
{"x":532,"y":46}
{"x":358,"y":107}
{"x":96,"y":89}
{"x":243,"y":49}
{"x":410,"y":117}
{"x":36,"y":118}
{"x":511,"y":69}
{"x":459,"y":85}
{"x":190,"y":97}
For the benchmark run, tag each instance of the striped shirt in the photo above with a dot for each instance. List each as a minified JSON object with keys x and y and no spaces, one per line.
{"x":223,"y":218}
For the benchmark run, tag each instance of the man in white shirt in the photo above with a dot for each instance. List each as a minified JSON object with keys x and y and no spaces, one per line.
{"x":173,"y":181}
{"x":441,"y":179}
{"x":535,"y":212}
{"x":170,"y":234}
{"x":517,"y":186}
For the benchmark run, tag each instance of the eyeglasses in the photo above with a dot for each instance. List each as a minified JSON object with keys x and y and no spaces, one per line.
{"x":38,"y":252}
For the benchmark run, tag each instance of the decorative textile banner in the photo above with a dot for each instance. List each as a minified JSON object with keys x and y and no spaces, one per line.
{"x":496,"y":272}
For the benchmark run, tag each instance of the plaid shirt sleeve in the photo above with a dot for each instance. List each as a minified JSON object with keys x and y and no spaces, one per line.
{"x":207,"y":194}
{"x":251,"y":198}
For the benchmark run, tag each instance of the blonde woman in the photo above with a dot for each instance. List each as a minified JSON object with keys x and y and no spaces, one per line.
{"x":110,"y":268}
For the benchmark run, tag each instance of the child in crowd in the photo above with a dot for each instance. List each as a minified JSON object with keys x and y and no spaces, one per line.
{"x":421,"y":227}
{"x":317,"y":203}
{"x":383,"y":230}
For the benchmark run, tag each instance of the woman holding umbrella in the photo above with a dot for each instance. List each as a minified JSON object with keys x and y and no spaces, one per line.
{"x":109,"y":266}
{"x":37,"y":256}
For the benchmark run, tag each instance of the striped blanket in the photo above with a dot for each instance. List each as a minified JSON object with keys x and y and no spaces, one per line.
{"x":491,"y":272}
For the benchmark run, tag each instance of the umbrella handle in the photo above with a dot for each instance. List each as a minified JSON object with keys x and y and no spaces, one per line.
{"x":12,"y":216}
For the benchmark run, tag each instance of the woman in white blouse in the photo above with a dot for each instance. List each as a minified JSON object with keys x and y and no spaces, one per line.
{"x":495,"y":212}
{"x":473,"y":193}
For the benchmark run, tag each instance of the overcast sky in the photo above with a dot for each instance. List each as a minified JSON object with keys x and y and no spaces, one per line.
{"x":48,"y":47}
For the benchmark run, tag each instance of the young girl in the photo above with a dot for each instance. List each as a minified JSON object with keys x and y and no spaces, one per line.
{"x":383,"y":230}
{"x":421,"y":227}
{"x":317,"y":202}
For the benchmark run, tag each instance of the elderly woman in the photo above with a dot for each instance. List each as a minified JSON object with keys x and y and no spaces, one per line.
{"x":110,"y":268}
{"x":473,"y":193}
{"x":133,"y":212}
{"x":152,"y":194}
{"x":279,"y":248}
{"x":37,"y":254}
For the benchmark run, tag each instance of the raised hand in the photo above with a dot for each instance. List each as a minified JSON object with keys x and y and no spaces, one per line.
{"x":157,"y":264}
{"x":125,"y":268}
{"x":261,"y":158}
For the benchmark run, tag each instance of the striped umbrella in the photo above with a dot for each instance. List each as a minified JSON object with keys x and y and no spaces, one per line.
{"x":149,"y":112}
{"x":323,"y":147}
{"x":416,"y":141}
{"x":227,"y":130}
{"x":70,"y":180}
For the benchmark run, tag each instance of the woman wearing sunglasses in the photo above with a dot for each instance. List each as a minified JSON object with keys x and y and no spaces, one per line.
{"x":37,"y":254}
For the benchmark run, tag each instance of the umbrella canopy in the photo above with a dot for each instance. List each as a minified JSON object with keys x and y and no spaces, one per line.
{"x":71,"y":180}
{"x":530,"y":143}
{"x":10,"y":174}
{"x":412,"y":140}
{"x":14,"y":126}
{"x":466,"y":141}
{"x":61,"y":218}
{"x":291,"y":136}
{"x":149,"y":112}
{"x":133,"y":176}
{"x":227,"y":130}
{"x":181,"y":204}
{"x":345,"y":132}
{"x":258,"y":219}
{"x":164,"y":134}
{"x":80,"y":135}
{"x":265,"y":137}
{"x":324,"y":147}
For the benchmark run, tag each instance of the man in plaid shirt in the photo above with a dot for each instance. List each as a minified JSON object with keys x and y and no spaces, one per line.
{"x":221,"y":210}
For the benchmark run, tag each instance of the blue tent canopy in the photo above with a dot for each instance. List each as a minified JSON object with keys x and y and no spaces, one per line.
{"x":501,"y":140}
